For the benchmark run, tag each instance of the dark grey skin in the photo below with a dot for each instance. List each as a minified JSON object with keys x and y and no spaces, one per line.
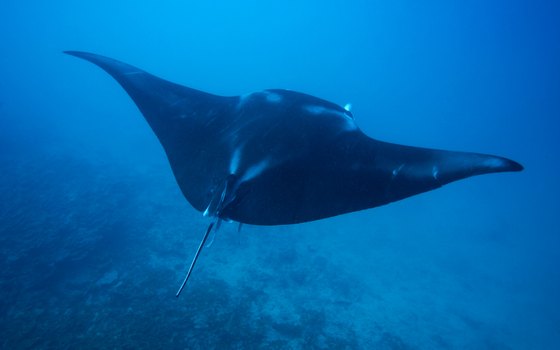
{"x":280,"y":157}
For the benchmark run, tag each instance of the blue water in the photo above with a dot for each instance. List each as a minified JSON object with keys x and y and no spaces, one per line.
{"x":95,"y":235}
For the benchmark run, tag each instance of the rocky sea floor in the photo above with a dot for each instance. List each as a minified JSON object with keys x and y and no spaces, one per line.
{"x":92,"y":255}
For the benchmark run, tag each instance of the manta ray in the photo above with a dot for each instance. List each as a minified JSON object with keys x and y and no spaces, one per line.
{"x":279,"y":157}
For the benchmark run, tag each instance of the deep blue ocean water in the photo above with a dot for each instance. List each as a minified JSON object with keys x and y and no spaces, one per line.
{"x":95,"y":235}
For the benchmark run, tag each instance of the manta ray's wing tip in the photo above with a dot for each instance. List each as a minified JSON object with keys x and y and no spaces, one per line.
{"x":500,"y":164}
{"x":102,"y":61}
{"x":81,"y":54}
{"x":515,"y":166}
